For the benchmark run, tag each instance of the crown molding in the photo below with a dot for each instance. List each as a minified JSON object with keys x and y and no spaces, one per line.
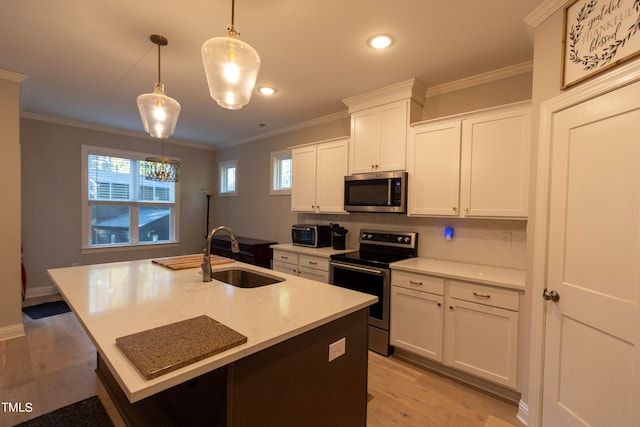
{"x":544,"y":11}
{"x":408,"y":89}
{"x":108,"y":129}
{"x":286,"y":129}
{"x":11,"y":76}
{"x":491,"y":76}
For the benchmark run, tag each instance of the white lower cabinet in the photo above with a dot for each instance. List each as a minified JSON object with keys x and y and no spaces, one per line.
{"x":416,"y":314}
{"x":466,"y":326}
{"x":285,"y":262}
{"x":303,"y":265}
{"x":481,"y":331}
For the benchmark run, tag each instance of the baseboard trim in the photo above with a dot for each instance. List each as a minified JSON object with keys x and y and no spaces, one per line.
{"x":498,"y":390}
{"x":41,"y":291}
{"x":11,"y":332}
{"x":523,"y":413}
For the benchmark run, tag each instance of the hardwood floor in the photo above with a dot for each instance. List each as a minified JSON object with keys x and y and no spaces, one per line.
{"x":53,"y":366}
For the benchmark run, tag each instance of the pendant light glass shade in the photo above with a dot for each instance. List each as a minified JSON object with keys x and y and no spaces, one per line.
{"x":231,"y":67}
{"x":159,"y":113}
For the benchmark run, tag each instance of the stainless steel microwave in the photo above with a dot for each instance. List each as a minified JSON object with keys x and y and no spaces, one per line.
{"x":376,"y":192}
{"x":313,"y":236}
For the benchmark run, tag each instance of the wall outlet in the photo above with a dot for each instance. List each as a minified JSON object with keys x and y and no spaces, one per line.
{"x":337,"y":349}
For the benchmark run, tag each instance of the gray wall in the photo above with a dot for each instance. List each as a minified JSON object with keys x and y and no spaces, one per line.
{"x":52,"y":198}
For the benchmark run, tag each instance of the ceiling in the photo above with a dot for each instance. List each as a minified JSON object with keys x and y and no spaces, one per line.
{"x":88,"y":61}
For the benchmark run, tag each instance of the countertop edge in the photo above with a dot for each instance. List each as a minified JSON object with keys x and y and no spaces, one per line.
{"x":487,"y":275}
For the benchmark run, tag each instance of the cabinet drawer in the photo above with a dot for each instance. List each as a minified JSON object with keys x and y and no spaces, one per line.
{"x":418,"y":282}
{"x":285,"y":257}
{"x":284,"y":267}
{"x":318,"y":263}
{"x":487,"y":295}
{"x":314,"y":274}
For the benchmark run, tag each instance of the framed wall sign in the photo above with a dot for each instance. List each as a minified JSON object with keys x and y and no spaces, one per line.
{"x":598,"y":34}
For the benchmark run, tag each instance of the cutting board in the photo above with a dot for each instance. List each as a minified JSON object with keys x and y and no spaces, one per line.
{"x":189,"y":261}
{"x":167,"y":348}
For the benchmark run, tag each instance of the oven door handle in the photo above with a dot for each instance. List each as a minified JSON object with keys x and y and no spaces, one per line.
{"x":357,"y":268}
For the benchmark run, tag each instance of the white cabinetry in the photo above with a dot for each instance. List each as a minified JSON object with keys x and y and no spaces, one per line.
{"x":379,"y":123}
{"x":481,"y":331}
{"x":474,"y":165}
{"x":379,"y":138}
{"x":318,"y":176}
{"x":285,"y":262}
{"x":303,"y":265}
{"x":417,"y":313}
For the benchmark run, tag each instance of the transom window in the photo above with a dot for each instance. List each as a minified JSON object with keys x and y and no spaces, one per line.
{"x":227,"y":172}
{"x":280,"y":172}
{"x":122,"y":208}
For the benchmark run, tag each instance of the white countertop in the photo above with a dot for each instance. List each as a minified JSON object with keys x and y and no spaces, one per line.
{"x":321,"y":252}
{"x":118,"y":299}
{"x":497,"y":276}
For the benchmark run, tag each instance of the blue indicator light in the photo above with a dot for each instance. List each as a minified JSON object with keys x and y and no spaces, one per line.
{"x":448,"y":233}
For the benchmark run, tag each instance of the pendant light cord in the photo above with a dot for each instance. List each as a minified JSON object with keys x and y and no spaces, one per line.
{"x":159,"y":81}
{"x":233,"y":9}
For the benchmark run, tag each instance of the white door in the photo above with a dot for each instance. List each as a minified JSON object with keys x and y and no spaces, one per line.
{"x":303,"y":191}
{"x":592,"y":360}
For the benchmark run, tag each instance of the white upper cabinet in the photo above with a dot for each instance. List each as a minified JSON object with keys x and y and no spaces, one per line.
{"x":379,"y":124}
{"x":318,"y":176}
{"x":495,"y":164}
{"x":473,"y":165}
{"x":433,"y":163}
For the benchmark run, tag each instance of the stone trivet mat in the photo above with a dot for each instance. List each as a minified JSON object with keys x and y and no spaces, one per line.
{"x":167,"y":348}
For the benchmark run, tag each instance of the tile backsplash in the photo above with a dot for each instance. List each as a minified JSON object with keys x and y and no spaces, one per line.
{"x":500,"y":243}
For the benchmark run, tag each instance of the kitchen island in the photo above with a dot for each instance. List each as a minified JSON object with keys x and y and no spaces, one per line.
{"x":282,"y":374}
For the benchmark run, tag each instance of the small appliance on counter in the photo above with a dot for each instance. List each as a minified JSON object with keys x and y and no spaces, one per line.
{"x":312,"y":236}
{"x":339,"y":236}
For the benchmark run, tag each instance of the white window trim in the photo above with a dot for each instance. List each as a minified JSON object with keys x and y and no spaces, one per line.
{"x":223,"y":166}
{"x":276,"y":158}
{"x":85,"y":244}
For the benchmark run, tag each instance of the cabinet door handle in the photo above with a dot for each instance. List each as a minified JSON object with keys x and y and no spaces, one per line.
{"x":439,"y":305}
{"x":450,"y":307}
{"x":466,"y":209}
{"x":313,"y":263}
{"x":455,"y":209}
{"x":413,"y":282}
{"x":284,"y":257}
{"x":477,"y":295}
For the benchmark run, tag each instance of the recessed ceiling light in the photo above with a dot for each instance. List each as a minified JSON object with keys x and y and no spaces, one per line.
{"x":266,"y":90}
{"x":380,"y":41}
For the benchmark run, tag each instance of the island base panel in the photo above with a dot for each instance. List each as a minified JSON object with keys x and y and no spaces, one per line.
{"x":288,"y":384}
{"x":294,"y":384}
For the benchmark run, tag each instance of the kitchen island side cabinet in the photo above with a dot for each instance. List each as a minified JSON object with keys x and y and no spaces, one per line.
{"x":481,"y":331}
{"x":471,"y":165}
{"x":417,"y":314}
{"x":318,"y":176}
{"x":379,"y":126}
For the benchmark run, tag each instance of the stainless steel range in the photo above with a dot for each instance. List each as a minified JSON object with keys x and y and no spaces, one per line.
{"x":367,"y":270}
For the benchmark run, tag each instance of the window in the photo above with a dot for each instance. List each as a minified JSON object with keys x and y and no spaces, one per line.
{"x":228,"y":177}
{"x":280,"y":172}
{"x":122,"y":208}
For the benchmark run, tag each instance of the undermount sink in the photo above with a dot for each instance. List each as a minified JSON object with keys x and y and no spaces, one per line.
{"x":244,"y":278}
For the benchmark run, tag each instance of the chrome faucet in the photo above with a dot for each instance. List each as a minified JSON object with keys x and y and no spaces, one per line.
{"x":206,"y":261}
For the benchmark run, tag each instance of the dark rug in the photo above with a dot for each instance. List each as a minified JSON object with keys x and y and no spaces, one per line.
{"x":46,"y":309}
{"x":86,"y":413}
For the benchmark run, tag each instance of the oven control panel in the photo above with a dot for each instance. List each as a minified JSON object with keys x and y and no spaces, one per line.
{"x":384,"y":238}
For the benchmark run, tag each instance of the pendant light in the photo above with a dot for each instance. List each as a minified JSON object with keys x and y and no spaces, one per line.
{"x":159,"y":113}
{"x":231,"y":67}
